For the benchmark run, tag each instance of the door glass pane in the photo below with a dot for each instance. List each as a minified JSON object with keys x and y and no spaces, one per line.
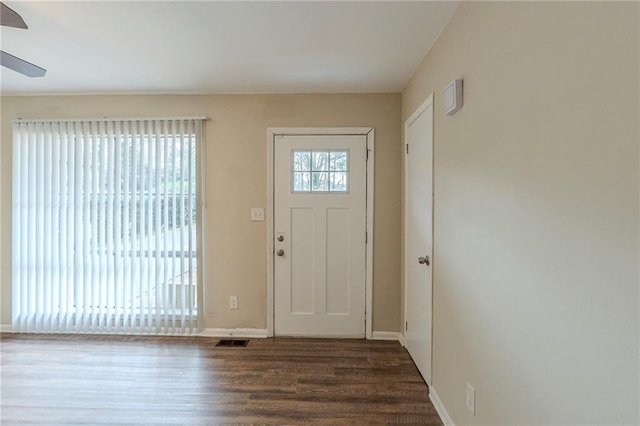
{"x":319,"y":181}
{"x":338,"y":181}
{"x":301,"y":160}
{"x":301,"y":182}
{"x":338,"y":161}
{"x":320,"y":161}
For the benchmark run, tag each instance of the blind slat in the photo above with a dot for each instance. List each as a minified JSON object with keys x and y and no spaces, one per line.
{"x":136,"y":285}
{"x":55,"y":228}
{"x":47,"y":252}
{"x":108,"y":296}
{"x":142,"y":295}
{"x":98,"y":272}
{"x":165,"y":247}
{"x":38,"y":284}
{"x":174,"y":239}
{"x":114,"y":314}
{"x":158,"y":229}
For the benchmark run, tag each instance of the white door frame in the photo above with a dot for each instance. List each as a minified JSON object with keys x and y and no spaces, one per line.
{"x":272,"y":132}
{"x":426,"y":104}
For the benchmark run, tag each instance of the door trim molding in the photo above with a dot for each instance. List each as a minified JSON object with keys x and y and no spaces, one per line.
{"x":369,"y":132}
{"x":413,"y":117}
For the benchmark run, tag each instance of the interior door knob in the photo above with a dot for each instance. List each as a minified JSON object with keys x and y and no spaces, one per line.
{"x":280,"y":238}
{"x":424,"y":260}
{"x":280,"y":252}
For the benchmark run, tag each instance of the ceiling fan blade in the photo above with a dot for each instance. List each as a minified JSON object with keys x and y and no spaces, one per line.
{"x":20,"y":65}
{"x":10,"y":18}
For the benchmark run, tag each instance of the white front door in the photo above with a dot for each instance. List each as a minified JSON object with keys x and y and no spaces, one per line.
{"x":320,"y":231}
{"x":418,"y":236}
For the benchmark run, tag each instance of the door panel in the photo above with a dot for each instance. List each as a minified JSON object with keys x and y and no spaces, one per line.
{"x":418,"y":238}
{"x":338,"y":235}
{"x":302,"y":254}
{"x":320,"y":215}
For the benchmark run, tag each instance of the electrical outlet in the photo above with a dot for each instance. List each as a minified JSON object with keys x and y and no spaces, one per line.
{"x":471,"y":399}
{"x":233,"y":302}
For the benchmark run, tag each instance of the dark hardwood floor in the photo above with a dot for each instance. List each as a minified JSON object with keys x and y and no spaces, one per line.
{"x":127,"y":380}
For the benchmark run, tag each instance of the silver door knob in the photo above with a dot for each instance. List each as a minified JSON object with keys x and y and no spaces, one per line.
{"x":280,"y":252}
{"x":424,"y":260}
{"x":280,"y":238}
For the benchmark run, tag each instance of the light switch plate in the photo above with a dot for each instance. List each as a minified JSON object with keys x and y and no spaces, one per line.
{"x":257,"y":214}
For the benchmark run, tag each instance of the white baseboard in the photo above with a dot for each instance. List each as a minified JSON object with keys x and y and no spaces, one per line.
{"x":234,"y":332}
{"x":402,"y":341}
{"x":385,"y":335}
{"x":305,"y":335}
{"x":262,"y":333}
{"x":207,"y":332}
{"x":442,"y":412}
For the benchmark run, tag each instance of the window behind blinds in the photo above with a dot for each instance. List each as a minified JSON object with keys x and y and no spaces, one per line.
{"x":106,"y":226}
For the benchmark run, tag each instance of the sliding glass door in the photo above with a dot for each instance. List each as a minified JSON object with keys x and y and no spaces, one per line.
{"x":106,"y":233}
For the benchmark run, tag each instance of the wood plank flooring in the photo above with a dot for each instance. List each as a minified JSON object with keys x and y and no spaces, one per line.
{"x":131,"y":380}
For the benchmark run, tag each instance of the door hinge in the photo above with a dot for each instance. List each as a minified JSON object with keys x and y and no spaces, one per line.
{"x":406,"y":326}
{"x":366,"y":237}
{"x":407,"y":145}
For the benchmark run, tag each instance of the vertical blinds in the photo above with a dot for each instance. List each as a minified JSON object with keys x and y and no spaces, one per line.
{"x":106,"y":226}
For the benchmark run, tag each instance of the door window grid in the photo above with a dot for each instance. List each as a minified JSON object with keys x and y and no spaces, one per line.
{"x":320,"y":171}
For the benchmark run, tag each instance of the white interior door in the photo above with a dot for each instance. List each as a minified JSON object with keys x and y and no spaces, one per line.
{"x":320,"y":231}
{"x":419,"y":236}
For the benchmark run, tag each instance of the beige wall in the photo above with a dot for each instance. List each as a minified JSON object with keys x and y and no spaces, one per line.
{"x":236,"y":170}
{"x":536,"y":212}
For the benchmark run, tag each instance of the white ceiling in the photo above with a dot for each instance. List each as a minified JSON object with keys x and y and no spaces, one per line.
{"x":221,"y":47}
